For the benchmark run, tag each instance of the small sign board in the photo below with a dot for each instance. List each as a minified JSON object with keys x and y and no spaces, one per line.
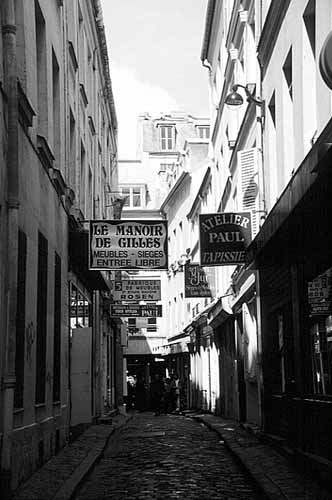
{"x":320,"y":294}
{"x":224,"y":238}
{"x":136,"y":310}
{"x":137,"y":290}
{"x":128,"y":244}
{"x":195,"y":281}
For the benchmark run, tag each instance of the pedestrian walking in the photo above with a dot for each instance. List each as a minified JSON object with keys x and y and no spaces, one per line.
{"x":157,"y":394}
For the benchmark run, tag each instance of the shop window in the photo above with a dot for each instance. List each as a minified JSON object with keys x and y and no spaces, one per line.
{"x":320,"y":307}
{"x":282,"y":354}
{"x":80,"y":309}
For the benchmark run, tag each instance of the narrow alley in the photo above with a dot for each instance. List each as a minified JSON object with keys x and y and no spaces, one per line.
{"x":166,"y":457}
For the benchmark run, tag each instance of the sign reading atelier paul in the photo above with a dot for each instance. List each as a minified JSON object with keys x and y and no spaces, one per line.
{"x":128,"y":244}
{"x":195,"y":281}
{"x":224,"y":238}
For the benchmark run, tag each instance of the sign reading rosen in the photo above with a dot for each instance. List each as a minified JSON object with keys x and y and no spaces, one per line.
{"x":224,"y":238}
{"x":135,"y":310}
{"x":195,"y":281}
{"x":137,"y":290}
{"x":128,"y":244}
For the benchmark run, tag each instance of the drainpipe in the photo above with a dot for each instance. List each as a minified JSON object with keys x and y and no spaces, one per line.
{"x":10,"y":86}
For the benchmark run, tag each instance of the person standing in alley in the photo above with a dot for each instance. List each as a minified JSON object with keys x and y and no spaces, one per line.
{"x":168,"y":396}
{"x":140,"y":395}
{"x":175,"y":392}
{"x":157,"y":394}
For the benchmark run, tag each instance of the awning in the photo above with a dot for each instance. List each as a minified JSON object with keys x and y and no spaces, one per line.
{"x":316,"y":164}
{"x":219,"y":313}
{"x":79,"y":262}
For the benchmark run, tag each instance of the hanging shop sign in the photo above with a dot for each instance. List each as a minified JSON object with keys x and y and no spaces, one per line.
{"x":128,"y":244}
{"x":195,"y":281}
{"x":320,"y":294}
{"x":224,"y":237}
{"x":137,"y":290}
{"x":136,"y":310}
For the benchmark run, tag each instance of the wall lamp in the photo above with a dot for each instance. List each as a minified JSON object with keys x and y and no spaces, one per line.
{"x":236,"y":99}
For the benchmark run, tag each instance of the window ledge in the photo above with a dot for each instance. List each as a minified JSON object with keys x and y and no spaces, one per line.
{"x":83,"y":94}
{"x":58,"y":181}
{"x":45,"y":153}
{"x":25,"y":108}
{"x":73,"y":55}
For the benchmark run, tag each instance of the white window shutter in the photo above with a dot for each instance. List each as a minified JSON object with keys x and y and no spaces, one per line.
{"x":248,"y":185}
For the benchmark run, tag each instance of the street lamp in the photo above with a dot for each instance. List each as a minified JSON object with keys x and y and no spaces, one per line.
{"x":236,"y":99}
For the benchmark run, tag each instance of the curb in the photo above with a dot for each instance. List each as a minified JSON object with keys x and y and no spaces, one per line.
{"x":71,"y":484}
{"x":252,"y":463}
{"x":265,"y":486}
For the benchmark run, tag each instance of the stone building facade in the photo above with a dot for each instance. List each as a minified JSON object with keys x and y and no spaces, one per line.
{"x":58,"y":145}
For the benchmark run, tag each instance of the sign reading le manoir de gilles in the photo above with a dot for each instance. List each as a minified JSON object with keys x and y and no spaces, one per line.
{"x":224,"y":238}
{"x":128,"y":244}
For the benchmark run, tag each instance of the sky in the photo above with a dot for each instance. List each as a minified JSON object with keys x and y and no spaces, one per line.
{"x":154,"y":49}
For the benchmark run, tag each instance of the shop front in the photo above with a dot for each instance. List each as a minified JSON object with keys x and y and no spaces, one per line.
{"x":293,"y":256}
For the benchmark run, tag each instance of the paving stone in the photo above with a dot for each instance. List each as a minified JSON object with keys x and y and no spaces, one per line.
{"x":175,"y":458}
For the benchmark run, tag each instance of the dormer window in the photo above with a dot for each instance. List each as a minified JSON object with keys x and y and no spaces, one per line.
{"x":203,"y":132}
{"x":167,"y":137}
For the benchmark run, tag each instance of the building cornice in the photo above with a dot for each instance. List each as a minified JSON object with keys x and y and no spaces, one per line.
{"x":104,"y":56}
{"x":174,"y":189}
{"x":198,"y":197}
{"x":271,"y":29}
{"x":208,"y":29}
{"x":233,"y":24}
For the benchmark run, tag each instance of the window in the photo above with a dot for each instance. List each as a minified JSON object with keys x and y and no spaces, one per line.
{"x":137,"y":202}
{"x":272,"y":109}
{"x":288,"y":72}
{"x":152,"y":325}
{"x":319,"y":300}
{"x":57,"y":329}
{"x":80,"y":309}
{"x":309,"y":18}
{"x":132,"y":326}
{"x":56,"y":108}
{"x":41,"y":68}
{"x":166,"y":167}
{"x":203,"y":132}
{"x":41,"y":334}
{"x":167,"y":138}
{"x":134,"y":196}
{"x":126,"y":193}
{"x":82,"y":179}
{"x":72,"y":150}
{"x":20,"y":320}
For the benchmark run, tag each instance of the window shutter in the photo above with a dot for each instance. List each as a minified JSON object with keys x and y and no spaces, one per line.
{"x":248,"y":186}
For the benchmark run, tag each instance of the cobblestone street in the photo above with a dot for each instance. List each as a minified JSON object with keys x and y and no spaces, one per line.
{"x":166,"y":457}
